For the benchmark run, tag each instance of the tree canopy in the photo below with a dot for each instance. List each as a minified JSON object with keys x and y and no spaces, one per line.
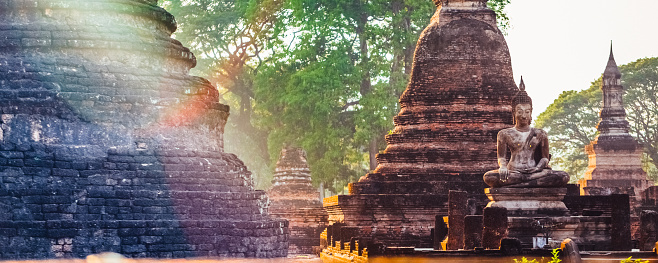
{"x":572,"y":118}
{"x":321,"y":74}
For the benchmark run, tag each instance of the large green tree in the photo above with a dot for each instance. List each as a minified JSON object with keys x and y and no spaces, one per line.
{"x":321,"y":74}
{"x":335,"y":91}
{"x":571,"y":120}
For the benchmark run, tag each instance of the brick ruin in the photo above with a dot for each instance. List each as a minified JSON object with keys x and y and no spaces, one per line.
{"x":108,"y":144}
{"x":293,"y":198}
{"x":445,"y":134}
{"x":615,"y":157}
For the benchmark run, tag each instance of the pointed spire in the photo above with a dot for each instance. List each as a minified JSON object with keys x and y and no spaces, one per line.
{"x":611,"y":69}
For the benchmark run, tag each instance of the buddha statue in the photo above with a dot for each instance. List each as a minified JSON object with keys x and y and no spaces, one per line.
{"x":523,"y":152}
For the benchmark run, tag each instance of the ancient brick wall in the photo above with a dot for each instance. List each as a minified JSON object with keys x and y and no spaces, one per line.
{"x":138,"y":202}
{"x":107,"y":144}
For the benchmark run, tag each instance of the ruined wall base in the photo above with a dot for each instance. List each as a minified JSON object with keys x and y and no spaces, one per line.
{"x":71,"y":201}
{"x":393,"y":220}
{"x":305,"y":226}
{"x":142,"y":238}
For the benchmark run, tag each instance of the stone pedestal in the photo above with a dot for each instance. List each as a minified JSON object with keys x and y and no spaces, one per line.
{"x":527,"y":207}
{"x":528,"y":201}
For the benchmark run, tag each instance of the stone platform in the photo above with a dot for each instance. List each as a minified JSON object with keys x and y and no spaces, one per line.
{"x":594,"y":223}
{"x":528,"y":201}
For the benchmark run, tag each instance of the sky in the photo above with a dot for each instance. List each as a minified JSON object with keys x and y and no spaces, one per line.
{"x":565,"y":45}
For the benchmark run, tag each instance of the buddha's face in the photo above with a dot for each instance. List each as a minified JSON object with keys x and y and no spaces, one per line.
{"x":523,"y":114}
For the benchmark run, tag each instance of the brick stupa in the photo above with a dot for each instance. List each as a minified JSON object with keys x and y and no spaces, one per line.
{"x":293,"y":198}
{"x":457,"y":100}
{"x":615,"y":157}
{"x":107,"y":144}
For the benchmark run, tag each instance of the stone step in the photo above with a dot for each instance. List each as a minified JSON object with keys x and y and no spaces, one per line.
{"x":416,"y":187}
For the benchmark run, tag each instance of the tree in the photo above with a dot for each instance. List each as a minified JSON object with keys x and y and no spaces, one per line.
{"x":322,"y":74}
{"x":571,"y":120}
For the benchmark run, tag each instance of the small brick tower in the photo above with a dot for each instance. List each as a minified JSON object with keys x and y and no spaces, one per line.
{"x":293,"y":198}
{"x":615,"y":165}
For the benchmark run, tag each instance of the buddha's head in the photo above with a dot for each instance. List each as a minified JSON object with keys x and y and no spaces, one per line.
{"x":522,"y":106}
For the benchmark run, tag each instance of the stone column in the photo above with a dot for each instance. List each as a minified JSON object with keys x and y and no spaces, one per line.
{"x":620,"y":232}
{"x":494,"y":229}
{"x":648,"y":231}
{"x":457,"y":210}
{"x":472,"y":231}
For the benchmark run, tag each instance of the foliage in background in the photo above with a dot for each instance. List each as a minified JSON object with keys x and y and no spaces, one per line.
{"x":321,"y":74}
{"x":572,"y":118}
{"x":501,"y":17}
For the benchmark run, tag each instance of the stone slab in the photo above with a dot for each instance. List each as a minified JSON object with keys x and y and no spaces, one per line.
{"x":528,"y":201}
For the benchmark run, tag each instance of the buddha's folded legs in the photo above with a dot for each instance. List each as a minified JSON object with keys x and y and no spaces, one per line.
{"x":545,"y":178}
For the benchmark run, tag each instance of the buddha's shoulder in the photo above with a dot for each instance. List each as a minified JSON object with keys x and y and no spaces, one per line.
{"x":512,"y":130}
{"x":508,"y":132}
{"x":540,"y":132}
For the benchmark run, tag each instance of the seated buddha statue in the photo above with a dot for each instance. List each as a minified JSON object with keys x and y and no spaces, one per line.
{"x":523,"y":152}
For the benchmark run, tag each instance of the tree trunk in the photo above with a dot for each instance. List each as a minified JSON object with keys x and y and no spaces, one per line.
{"x":243,"y":119}
{"x":373,"y":153}
{"x":365,"y":87}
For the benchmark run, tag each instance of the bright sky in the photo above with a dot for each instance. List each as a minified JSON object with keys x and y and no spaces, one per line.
{"x":563,"y":45}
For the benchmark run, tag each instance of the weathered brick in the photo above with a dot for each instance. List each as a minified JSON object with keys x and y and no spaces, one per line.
{"x":11,"y":155}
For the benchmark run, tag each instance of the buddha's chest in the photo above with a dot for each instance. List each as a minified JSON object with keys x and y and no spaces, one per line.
{"x":518,"y":140}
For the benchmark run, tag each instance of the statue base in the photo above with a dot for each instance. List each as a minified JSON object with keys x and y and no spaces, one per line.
{"x":532,"y":211}
{"x":528,"y":201}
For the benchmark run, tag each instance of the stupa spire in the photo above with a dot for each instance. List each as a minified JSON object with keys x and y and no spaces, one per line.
{"x":611,"y":68}
{"x":615,"y":157}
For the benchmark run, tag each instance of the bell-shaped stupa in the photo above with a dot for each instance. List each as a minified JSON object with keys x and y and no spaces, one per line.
{"x":457,"y":100}
{"x":107,"y":144}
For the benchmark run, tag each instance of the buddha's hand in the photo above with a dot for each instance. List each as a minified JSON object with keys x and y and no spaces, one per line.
{"x":504,"y":173}
{"x":532,"y":170}
{"x":543,"y":163}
